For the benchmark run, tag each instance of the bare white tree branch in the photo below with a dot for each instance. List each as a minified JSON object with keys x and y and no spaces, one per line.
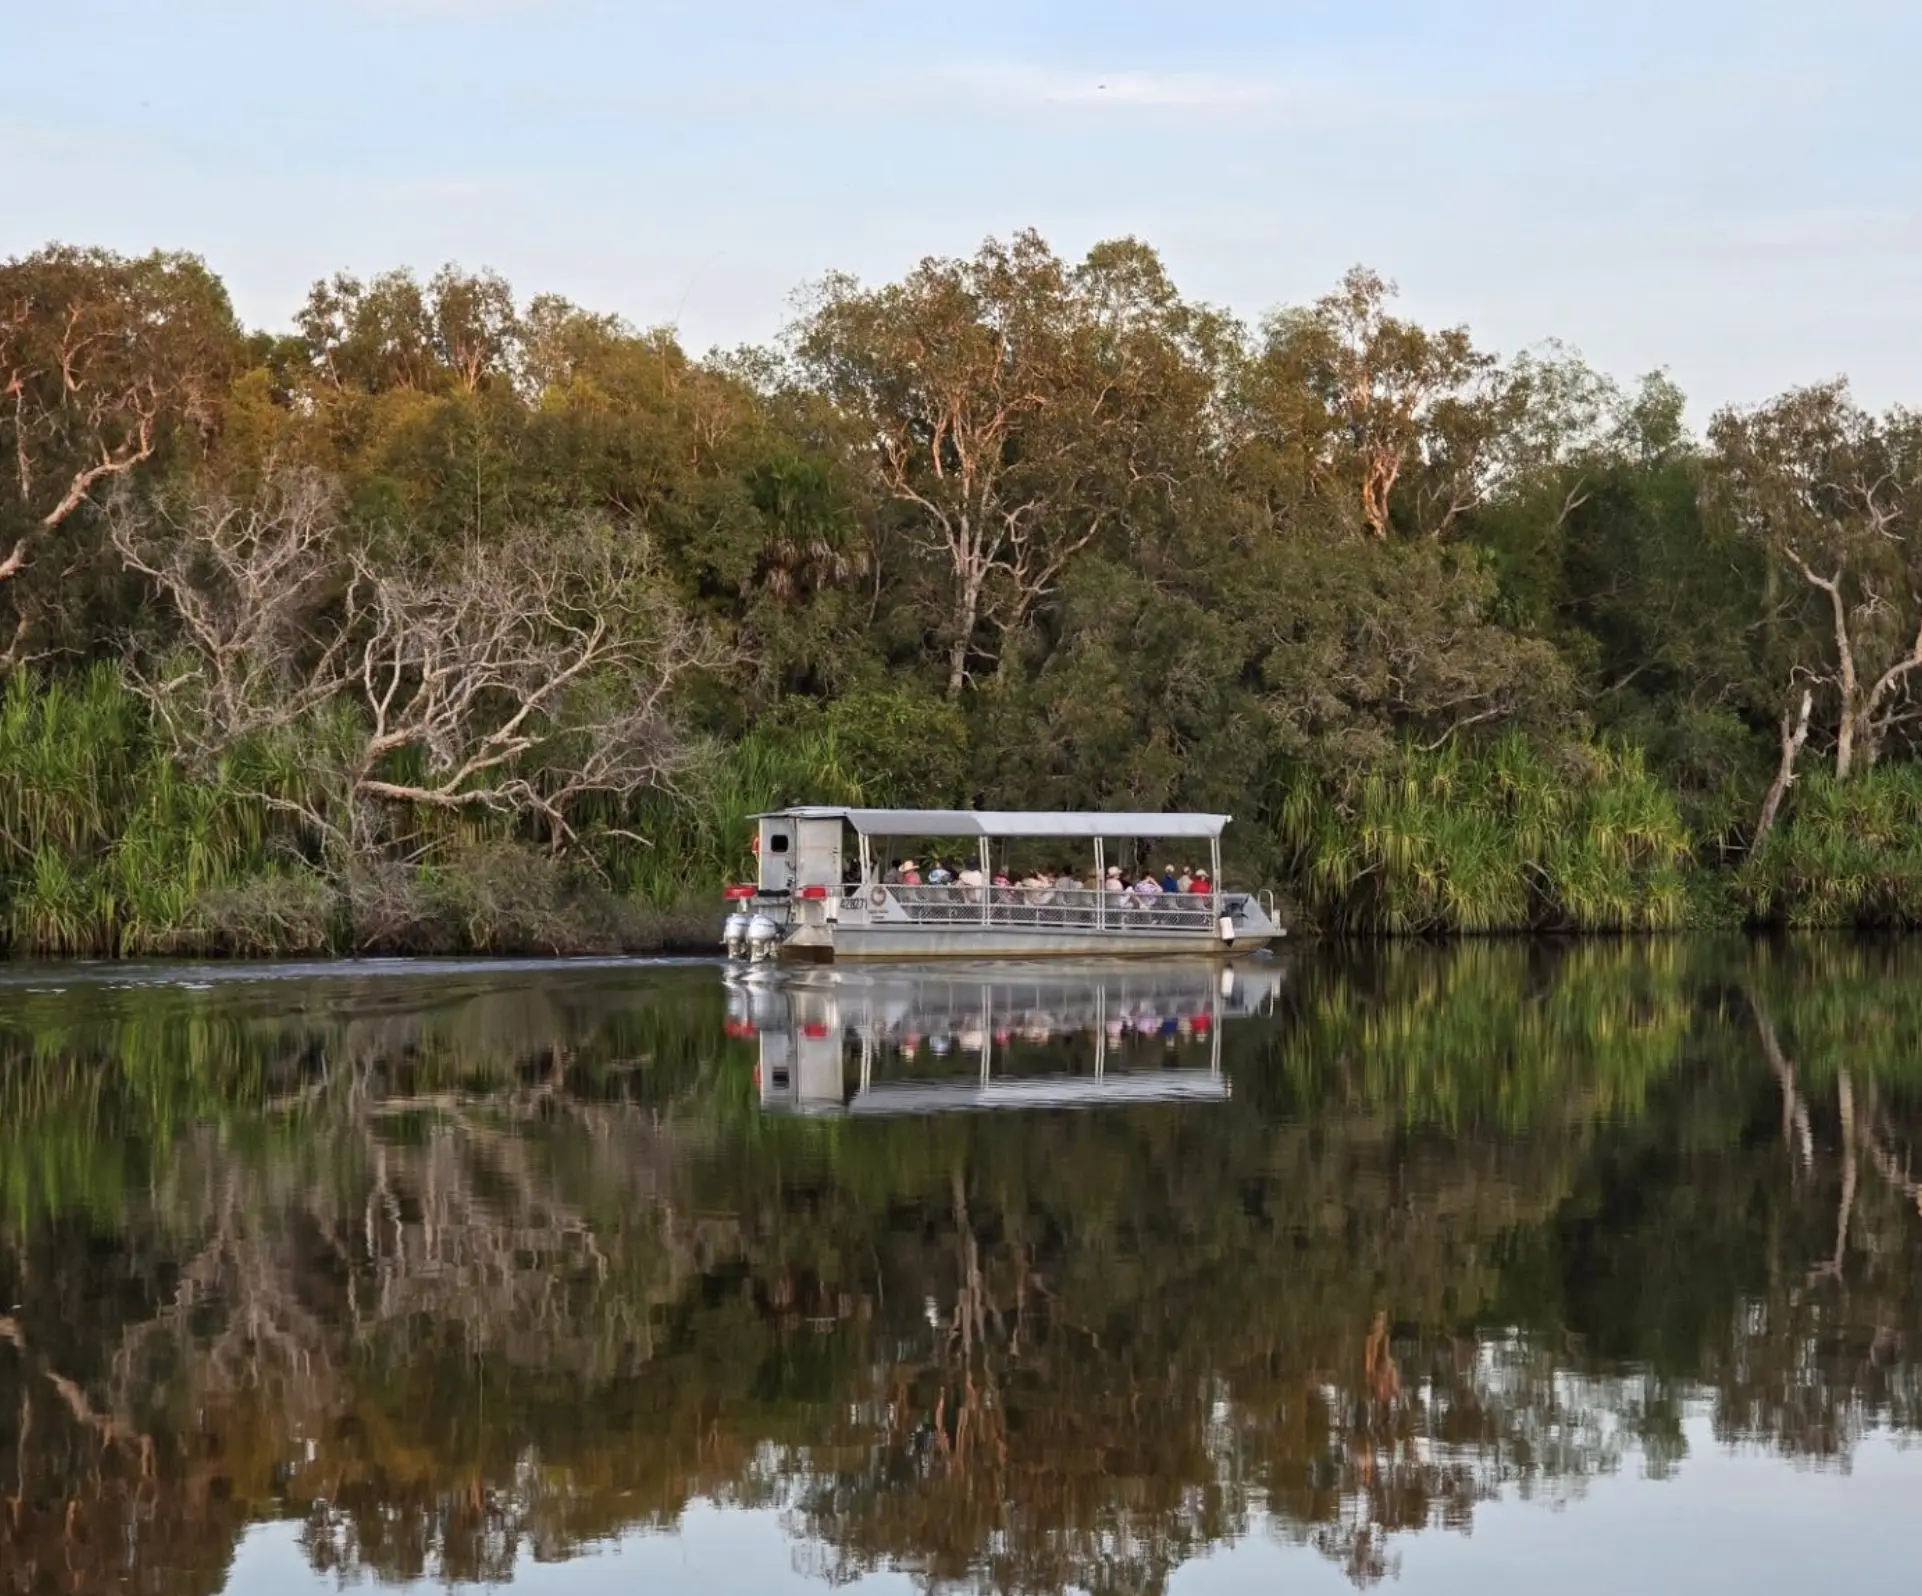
{"x":534,"y":671}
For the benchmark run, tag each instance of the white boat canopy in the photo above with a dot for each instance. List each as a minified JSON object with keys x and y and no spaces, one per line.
{"x":1009,"y":823}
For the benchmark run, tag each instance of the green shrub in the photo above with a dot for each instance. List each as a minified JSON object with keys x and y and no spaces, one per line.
{"x":1497,"y":838}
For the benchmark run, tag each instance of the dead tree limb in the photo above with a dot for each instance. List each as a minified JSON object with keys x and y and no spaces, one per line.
{"x":1795,"y":732}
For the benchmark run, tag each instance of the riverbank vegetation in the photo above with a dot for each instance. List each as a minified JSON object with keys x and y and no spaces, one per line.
{"x":459,"y":618}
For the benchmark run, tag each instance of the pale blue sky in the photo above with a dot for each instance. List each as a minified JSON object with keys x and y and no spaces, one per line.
{"x":1731,"y":190}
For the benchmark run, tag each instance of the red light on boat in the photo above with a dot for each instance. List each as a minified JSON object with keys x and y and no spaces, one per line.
{"x":734,"y":894}
{"x":740,"y":1028}
{"x":812,"y":894}
{"x":814,"y":1031}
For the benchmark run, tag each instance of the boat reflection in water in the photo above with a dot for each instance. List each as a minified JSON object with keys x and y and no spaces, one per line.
{"x":930,"y":1039}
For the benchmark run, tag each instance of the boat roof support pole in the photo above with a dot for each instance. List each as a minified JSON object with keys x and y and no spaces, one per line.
{"x":1214,"y":875}
{"x":987,"y":882}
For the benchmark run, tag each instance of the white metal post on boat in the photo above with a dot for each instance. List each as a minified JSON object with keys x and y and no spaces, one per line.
{"x":1101,"y":883}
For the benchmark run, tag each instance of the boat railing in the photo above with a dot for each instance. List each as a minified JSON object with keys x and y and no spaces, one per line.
{"x":1053,"y":908}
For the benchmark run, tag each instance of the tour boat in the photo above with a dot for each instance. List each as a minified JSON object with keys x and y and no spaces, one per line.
{"x":825,"y":893}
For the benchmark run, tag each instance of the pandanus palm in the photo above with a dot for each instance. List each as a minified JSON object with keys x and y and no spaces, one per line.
{"x":1498,"y":838}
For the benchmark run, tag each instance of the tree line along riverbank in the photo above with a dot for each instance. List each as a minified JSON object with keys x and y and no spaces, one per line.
{"x":453,"y":618}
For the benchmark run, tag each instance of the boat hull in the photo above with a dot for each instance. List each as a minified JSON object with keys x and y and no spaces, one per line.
{"x":860,"y":943}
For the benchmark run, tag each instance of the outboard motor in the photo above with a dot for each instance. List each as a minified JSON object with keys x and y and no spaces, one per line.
{"x":762,"y":935}
{"x":734,"y":935}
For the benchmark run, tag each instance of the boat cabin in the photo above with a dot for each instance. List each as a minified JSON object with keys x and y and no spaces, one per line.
{"x":834,"y":848}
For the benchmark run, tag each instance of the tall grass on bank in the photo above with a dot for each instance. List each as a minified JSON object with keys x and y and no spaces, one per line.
{"x":683,"y":847}
{"x":1848,"y":853}
{"x":108,"y":848}
{"x":107,"y":845}
{"x":1500,"y":838}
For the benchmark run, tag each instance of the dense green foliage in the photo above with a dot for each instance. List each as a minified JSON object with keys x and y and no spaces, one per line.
{"x":452,"y":618}
{"x":455,"y":1266}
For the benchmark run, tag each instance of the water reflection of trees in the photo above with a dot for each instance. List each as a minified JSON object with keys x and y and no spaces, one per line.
{"x":525,"y":1269}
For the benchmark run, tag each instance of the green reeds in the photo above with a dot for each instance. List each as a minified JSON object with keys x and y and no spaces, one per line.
{"x":1846,"y":854}
{"x":107,"y":847}
{"x":1504,"y":837}
{"x":669,"y":848}
{"x":106,"y":844}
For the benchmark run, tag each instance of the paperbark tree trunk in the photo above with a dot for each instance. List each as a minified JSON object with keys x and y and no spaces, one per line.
{"x":1795,"y":732}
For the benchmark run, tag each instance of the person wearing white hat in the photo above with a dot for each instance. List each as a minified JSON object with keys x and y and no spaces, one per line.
{"x":1114,"y":882}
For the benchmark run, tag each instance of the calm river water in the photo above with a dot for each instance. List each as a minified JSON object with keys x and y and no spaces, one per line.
{"x":1582,"y":1267}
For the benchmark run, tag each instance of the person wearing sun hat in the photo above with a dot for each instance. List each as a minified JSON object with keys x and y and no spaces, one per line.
{"x":910,"y":873}
{"x":1114,"y":882}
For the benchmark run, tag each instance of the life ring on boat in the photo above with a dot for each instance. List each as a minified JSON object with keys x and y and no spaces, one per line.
{"x":877,"y":897}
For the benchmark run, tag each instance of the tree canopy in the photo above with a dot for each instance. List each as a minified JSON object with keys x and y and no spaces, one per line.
{"x":1013,"y":530}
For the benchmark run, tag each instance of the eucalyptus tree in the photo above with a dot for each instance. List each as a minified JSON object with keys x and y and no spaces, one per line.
{"x":457,"y":330}
{"x":1014,"y":410}
{"x":104,"y":361}
{"x":1348,"y":393}
{"x":1834,"y":494}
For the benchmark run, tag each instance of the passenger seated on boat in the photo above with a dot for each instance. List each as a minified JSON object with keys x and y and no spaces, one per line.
{"x":1067,"y":881}
{"x":1001,"y":879}
{"x":891,"y":877}
{"x":940,"y":875}
{"x":1146,"y":891}
{"x":1114,"y":882}
{"x":1170,"y":882}
{"x":1201,"y":883}
{"x":910,"y":873}
{"x":1185,"y":882}
{"x":971,"y":879}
